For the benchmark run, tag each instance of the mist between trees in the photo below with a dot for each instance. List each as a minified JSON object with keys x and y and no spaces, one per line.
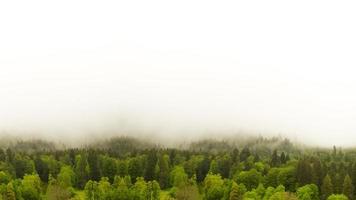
{"x":125,"y":168}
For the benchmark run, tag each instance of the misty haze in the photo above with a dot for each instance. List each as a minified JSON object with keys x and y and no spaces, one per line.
{"x":186,"y":100}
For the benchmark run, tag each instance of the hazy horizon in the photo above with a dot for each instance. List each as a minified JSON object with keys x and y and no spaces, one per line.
{"x":177,"y":70}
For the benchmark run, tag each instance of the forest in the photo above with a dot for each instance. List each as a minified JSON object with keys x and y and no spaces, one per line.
{"x":125,"y":168}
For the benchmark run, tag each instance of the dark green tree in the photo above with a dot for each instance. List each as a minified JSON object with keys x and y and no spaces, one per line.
{"x":245,"y":153}
{"x":283,"y":158}
{"x":151,"y":165}
{"x":348,"y":188}
{"x":304,"y":172}
{"x":326,"y":187}
{"x":163,"y":176}
{"x":94,"y":165}
{"x":109,"y":167}
{"x":275,"y":161}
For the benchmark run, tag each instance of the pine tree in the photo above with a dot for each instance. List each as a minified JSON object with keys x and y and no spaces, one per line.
{"x":326,"y":187}
{"x":275,"y":159}
{"x":151,"y":166}
{"x":304,"y":172}
{"x":81,"y":170}
{"x":337,"y":182}
{"x":317,"y":172}
{"x":94,"y":168}
{"x":353,"y":172}
{"x":348,"y":189}
{"x":2,"y":155}
{"x":237,"y":191}
{"x":245,"y":153}
{"x":283,"y":158}
{"x":234,"y":194}
{"x":10,"y":194}
{"x":163,"y":173}
{"x":235,"y":155}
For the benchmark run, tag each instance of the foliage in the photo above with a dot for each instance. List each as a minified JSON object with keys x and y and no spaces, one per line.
{"x":260,"y":169}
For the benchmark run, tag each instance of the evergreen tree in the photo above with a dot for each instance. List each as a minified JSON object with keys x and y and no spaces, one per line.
{"x":81,"y":170}
{"x":348,"y":188}
{"x":338,"y":183}
{"x":109,"y":167}
{"x":326,"y":187}
{"x":234,"y":194}
{"x":235,"y":155}
{"x":153,"y":190}
{"x":213,"y":169}
{"x":163,"y":174}
{"x":2,"y":155}
{"x":224,"y":165}
{"x":91,"y":190}
{"x":304,"y":172}
{"x":10,"y":193}
{"x":135,"y":168}
{"x":151,"y":165}
{"x":283,"y":158}
{"x":42,"y":168}
{"x":275,"y":159}
{"x":245,"y":153}
{"x":203,"y":169}
{"x":9,"y":155}
{"x":94,"y":168}
{"x":317,"y":172}
{"x":122,"y":168}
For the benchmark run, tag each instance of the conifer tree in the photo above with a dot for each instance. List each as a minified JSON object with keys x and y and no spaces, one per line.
{"x":348,"y":187}
{"x":163,"y":173}
{"x":10,"y":194}
{"x":283,"y":158}
{"x":275,"y":159}
{"x":304,"y":172}
{"x":338,"y":183}
{"x":81,"y":170}
{"x":326,"y":187}
{"x":151,"y":166}
{"x":234,"y":194}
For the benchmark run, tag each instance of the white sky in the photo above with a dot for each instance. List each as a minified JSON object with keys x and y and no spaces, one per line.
{"x":283,"y":67}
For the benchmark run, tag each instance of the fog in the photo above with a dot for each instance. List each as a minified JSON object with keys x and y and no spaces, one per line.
{"x":74,"y":70}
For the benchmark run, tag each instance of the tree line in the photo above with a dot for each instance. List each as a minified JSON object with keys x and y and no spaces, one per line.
{"x":129,"y":169}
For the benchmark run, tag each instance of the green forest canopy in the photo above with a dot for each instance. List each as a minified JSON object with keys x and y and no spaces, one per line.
{"x":126,"y":168}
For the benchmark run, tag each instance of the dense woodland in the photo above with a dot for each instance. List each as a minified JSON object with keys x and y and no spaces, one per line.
{"x":129,"y":169}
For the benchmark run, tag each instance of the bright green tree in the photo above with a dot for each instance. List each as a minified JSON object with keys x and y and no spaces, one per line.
{"x":10,"y":193}
{"x":81,"y":170}
{"x":308,"y":192}
{"x":234,"y":193}
{"x":337,"y":197}
{"x":31,"y":187}
{"x":153,"y":190}
{"x":178,"y":176}
{"x":250,"y":178}
{"x":91,"y":190}
{"x":56,"y":192}
{"x":139,"y":190}
{"x":66,"y":177}
{"x":104,"y":189}
{"x":213,"y":187}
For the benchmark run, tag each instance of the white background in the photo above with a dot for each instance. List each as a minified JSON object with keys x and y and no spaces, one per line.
{"x":72,"y":67}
